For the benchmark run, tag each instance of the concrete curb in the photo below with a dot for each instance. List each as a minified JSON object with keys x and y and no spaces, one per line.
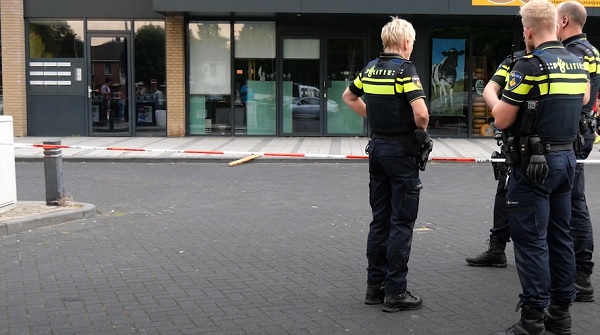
{"x":38,"y":220}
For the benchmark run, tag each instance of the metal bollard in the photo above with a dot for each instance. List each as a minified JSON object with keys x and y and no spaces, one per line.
{"x":53,"y":174}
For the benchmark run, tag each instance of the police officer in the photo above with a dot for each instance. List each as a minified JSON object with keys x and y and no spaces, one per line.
{"x":500,"y":233}
{"x":539,"y":110}
{"x":571,"y":19}
{"x":394,"y":104}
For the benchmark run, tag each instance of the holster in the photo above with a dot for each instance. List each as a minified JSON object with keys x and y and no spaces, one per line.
{"x":524,"y":151}
{"x":420,"y":145}
{"x":496,"y":165}
{"x":579,"y":143}
{"x":509,"y":150}
{"x":584,"y":122}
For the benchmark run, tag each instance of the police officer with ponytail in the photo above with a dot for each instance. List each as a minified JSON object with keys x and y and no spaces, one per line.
{"x":539,"y":111}
{"x":394,"y":104}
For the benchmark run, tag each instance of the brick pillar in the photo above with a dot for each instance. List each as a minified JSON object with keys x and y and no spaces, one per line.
{"x":13,"y":64}
{"x":175,"y":28}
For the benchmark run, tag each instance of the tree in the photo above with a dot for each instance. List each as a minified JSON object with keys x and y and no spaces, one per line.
{"x":54,"y":40}
{"x":150,"y":54}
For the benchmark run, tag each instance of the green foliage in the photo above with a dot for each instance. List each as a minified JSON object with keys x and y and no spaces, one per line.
{"x":150,"y":54}
{"x":37,"y":48}
{"x":54,"y":39}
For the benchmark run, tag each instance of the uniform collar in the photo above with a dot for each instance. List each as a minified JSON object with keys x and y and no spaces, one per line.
{"x":390,"y":55}
{"x":581,"y":36}
{"x":549,"y":45}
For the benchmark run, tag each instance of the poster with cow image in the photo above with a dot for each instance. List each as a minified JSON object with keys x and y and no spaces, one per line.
{"x":447,"y":76}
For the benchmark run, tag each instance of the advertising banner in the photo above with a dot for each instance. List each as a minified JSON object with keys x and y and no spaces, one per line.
{"x":447,"y":76}
{"x":518,"y":3}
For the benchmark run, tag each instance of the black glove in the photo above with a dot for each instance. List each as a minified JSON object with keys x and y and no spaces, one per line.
{"x":537,"y":170}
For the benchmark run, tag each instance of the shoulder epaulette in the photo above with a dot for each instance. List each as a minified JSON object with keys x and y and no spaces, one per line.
{"x":400,"y":61}
{"x":583,"y":47}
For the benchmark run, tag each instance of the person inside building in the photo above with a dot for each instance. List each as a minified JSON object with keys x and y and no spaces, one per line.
{"x":106,"y":92}
{"x":122,"y":102}
{"x":157,"y":95}
{"x":543,"y":119}
{"x":571,"y":19}
{"x":500,"y":232}
{"x":394,"y":104}
{"x":246,"y":94}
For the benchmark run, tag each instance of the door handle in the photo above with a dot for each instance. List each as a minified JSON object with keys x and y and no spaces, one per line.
{"x":89,"y":92}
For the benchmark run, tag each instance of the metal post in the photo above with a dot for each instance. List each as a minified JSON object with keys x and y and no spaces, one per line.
{"x":53,"y":173}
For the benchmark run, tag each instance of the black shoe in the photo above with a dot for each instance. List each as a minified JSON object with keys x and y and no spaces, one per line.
{"x":557,"y":319}
{"x":531,"y":323}
{"x":401,"y":302}
{"x":583,"y":287}
{"x":494,"y":256}
{"x":488,"y":258}
{"x":375,"y":294}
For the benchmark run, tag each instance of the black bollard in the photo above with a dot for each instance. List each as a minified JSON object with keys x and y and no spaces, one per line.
{"x":53,"y":174}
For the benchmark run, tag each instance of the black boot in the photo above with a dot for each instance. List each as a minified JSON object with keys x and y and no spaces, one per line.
{"x":583,"y":287}
{"x":531,"y":323}
{"x":558,"y":319}
{"x":402,"y":302}
{"x":494,"y":256}
{"x":375,"y":294}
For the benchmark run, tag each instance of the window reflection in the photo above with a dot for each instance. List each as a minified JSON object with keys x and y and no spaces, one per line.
{"x":210,"y":78}
{"x":150,"y":89}
{"x":254,"y":96}
{"x":120,"y":25}
{"x":56,"y":39}
{"x":1,"y":99}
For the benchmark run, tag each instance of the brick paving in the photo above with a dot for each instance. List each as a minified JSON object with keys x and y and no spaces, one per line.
{"x":202,"y":248}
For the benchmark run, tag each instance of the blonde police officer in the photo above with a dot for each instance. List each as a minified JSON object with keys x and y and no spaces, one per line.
{"x":394,"y":104}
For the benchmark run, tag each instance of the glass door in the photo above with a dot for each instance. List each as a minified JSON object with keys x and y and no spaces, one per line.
{"x":315,"y":73}
{"x":109,"y":86}
{"x":345,"y":59}
{"x":301,"y":78}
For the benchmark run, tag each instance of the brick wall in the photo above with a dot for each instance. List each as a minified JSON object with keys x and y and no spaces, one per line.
{"x":13,"y":64}
{"x":175,"y":76}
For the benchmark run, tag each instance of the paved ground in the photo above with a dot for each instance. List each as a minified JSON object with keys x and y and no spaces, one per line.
{"x":180,"y":248}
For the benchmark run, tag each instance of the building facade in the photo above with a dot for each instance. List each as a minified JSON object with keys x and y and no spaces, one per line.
{"x":240,"y":68}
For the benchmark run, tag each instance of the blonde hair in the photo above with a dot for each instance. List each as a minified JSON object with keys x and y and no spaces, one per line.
{"x":539,"y":16}
{"x":574,"y":11}
{"x":395,"y":32}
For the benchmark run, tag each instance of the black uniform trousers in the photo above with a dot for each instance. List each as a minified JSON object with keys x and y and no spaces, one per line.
{"x":394,"y":189}
{"x":581,"y":224}
{"x":539,"y":225}
{"x":501,"y":228}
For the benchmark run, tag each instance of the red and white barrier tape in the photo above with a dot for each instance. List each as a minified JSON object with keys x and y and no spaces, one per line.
{"x":265,"y":154}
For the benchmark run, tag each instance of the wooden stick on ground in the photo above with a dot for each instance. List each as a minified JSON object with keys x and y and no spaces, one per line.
{"x":244,"y":160}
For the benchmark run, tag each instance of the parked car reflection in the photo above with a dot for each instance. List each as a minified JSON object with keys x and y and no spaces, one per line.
{"x":310,"y":107}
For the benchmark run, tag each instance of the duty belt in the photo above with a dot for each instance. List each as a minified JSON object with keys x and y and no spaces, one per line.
{"x":400,"y":137}
{"x":557,"y":147}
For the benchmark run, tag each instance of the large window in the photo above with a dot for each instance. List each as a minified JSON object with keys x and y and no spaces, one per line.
{"x":254,"y":97}
{"x":1,"y":99}
{"x":463,"y":59}
{"x":55,"y":39}
{"x":210,"y":77}
{"x":150,"y":78}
